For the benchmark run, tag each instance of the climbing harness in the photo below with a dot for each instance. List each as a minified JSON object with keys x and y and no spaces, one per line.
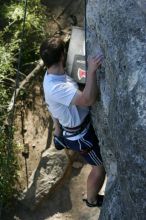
{"x":77,"y":130}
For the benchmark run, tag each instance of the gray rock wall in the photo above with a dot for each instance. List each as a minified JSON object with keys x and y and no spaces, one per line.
{"x":119,"y":27}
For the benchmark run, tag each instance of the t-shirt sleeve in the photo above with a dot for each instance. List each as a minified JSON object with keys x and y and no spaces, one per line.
{"x":63,"y":93}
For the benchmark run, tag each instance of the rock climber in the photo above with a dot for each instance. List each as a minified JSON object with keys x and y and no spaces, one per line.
{"x":70,"y":111}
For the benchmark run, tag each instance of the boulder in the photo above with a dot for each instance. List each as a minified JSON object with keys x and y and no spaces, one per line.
{"x":53,"y":167}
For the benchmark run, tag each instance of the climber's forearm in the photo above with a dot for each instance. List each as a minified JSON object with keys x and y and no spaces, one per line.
{"x":88,"y":96}
{"x":90,"y":91}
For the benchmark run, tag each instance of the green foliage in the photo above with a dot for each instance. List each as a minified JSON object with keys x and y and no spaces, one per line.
{"x":11,"y":23}
{"x":12,"y":32}
{"x":8,"y":167}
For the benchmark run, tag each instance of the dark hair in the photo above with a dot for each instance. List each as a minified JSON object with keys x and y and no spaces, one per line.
{"x":51,"y":51}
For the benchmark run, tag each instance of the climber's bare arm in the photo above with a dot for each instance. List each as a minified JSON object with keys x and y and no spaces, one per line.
{"x":89,"y":95}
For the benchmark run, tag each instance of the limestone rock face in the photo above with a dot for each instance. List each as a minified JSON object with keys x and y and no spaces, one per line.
{"x":119,"y":27}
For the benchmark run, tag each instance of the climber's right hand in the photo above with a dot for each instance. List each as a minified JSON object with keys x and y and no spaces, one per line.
{"x":94,"y":63}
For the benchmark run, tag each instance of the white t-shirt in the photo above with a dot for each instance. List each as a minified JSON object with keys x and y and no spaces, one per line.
{"x":59,"y":91}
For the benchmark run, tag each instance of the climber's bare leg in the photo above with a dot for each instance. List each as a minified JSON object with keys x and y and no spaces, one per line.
{"x":94,"y":182}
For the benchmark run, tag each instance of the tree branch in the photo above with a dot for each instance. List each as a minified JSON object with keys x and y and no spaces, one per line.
{"x":29,"y":77}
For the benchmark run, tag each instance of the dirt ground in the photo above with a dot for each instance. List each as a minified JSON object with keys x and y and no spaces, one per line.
{"x":34,"y":134}
{"x":66,"y":203}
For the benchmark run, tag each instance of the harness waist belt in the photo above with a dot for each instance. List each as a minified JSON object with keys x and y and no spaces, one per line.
{"x":79,"y":128}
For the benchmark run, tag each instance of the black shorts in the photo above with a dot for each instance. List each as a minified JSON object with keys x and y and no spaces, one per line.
{"x":87,"y":146}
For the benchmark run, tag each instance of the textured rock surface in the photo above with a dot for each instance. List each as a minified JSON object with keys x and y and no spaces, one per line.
{"x":120,"y":116}
{"x":51,"y":170}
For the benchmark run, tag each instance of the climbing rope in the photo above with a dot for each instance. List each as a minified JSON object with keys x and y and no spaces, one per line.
{"x":24,"y":154}
{"x":20,"y":50}
{"x":11,"y":114}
